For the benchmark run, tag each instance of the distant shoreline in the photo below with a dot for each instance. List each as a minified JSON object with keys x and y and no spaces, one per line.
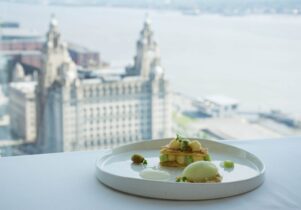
{"x":241,"y":11}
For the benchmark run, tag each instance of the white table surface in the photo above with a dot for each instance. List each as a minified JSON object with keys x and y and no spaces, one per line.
{"x":67,"y":181}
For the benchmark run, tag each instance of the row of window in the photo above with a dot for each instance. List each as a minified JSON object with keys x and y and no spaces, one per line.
{"x":106,"y":124}
{"x":118,"y":119}
{"x":99,"y":132}
{"x":96,"y":91}
{"x":117,"y":114}
{"x":108,"y":142}
{"x":115,"y":107}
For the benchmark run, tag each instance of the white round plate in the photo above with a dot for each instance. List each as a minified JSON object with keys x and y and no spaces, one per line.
{"x":117,"y":171}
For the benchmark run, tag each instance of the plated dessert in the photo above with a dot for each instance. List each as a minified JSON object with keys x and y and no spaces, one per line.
{"x":180,"y":152}
{"x":138,"y":169}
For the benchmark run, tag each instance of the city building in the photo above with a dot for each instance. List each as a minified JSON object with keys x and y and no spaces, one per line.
{"x":28,"y":52}
{"x":83,"y":56}
{"x":100,"y":110}
{"x":22,"y":110}
{"x":25,"y":46}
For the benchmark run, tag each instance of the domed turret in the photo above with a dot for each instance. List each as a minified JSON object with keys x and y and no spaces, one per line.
{"x":18,"y":74}
{"x":53,"y":21}
{"x":53,"y":37}
{"x":147,"y":19}
{"x":158,"y":70}
{"x":145,"y":51}
{"x":67,"y":72}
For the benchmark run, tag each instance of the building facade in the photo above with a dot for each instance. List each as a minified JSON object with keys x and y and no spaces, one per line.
{"x":22,"y":110}
{"x":77,"y":113}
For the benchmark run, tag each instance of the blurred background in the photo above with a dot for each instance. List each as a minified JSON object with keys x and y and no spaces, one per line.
{"x":86,"y":75}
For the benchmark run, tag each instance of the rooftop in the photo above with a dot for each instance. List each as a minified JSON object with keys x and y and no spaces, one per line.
{"x":78,"y":48}
{"x":106,"y":75}
{"x":25,"y":87}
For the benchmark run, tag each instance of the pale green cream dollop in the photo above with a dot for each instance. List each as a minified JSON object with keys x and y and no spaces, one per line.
{"x":200,"y":170}
{"x":154,"y":174}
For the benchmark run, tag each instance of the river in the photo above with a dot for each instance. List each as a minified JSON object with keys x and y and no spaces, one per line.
{"x":255,"y":59}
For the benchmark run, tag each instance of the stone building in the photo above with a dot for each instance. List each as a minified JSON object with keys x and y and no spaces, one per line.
{"x":79,"y":113}
{"x":22,"y":110}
